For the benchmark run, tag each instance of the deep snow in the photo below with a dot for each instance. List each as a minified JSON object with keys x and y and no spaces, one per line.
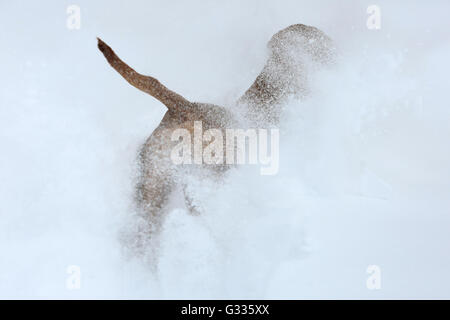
{"x":364,"y":166}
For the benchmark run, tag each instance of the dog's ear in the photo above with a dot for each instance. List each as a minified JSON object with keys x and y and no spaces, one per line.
{"x":150,"y":85}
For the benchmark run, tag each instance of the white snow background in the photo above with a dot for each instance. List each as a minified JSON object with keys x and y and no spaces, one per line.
{"x":364,"y":166}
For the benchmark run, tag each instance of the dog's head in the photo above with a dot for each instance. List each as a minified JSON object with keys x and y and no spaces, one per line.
{"x":299,"y":41}
{"x":293,"y":53}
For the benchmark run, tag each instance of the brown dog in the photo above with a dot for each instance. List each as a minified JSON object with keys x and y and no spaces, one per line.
{"x":283,"y":75}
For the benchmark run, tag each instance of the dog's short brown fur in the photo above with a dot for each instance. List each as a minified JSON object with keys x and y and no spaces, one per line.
{"x":282,"y":76}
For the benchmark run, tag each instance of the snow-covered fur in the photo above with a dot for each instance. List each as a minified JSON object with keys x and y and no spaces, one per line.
{"x":291,"y":52}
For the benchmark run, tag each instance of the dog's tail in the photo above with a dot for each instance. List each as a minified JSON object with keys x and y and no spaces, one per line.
{"x":150,"y":85}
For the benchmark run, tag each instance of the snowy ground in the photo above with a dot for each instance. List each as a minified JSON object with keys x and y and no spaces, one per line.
{"x":364,"y":166}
